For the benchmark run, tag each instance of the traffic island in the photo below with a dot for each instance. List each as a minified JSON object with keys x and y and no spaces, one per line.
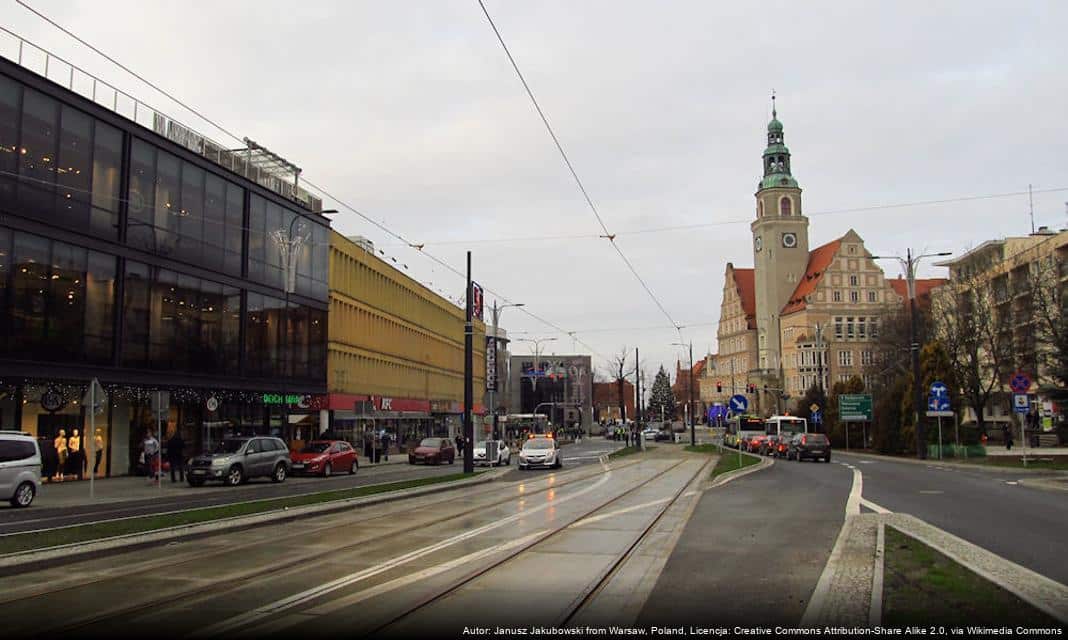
{"x":21,"y":549}
{"x":922,"y":587}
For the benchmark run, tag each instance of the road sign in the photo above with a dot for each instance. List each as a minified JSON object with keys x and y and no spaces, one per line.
{"x":939,"y":389}
{"x":817,"y":417}
{"x":1020,"y":382}
{"x":1021,"y":403}
{"x":938,"y":401}
{"x":814,"y":408}
{"x":739,"y":403}
{"x":854,"y":407}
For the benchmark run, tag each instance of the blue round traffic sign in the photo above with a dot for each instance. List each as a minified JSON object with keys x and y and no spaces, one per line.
{"x":739,"y":403}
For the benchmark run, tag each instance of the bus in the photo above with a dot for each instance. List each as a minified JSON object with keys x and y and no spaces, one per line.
{"x":741,"y":427}
{"x":785,"y":427}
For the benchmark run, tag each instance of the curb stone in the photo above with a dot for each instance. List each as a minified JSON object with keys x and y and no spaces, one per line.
{"x":724,"y":478}
{"x":957,"y":465}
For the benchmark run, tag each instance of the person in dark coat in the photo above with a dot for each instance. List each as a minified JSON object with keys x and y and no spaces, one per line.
{"x":1008,"y":438}
{"x":176,"y":455}
{"x":49,"y":458}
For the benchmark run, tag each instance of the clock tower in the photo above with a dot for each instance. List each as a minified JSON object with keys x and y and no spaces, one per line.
{"x":780,"y":246}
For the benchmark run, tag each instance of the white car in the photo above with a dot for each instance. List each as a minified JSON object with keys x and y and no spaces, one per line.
{"x":504,"y":454}
{"x":540,"y":451}
{"x":20,"y":468}
{"x":650,"y":433}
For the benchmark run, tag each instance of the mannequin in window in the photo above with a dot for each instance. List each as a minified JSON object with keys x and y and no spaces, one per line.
{"x":61,"y":454}
{"x":98,"y":449}
{"x":75,"y":459}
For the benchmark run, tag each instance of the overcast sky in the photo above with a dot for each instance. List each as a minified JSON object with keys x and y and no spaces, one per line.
{"x":411,"y":112}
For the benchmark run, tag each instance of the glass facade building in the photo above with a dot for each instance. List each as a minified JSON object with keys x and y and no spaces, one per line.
{"x":128,"y":258}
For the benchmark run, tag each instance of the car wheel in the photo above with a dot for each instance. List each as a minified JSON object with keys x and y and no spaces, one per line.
{"x":235,"y":476}
{"x":356,"y":467}
{"x":328,"y":470}
{"x":196,"y":482}
{"x":23,"y":495}
{"x":279,"y":474}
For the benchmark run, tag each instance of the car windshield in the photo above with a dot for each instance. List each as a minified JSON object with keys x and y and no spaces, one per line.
{"x":430,"y":442}
{"x":538,"y":443}
{"x":229,"y":446}
{"x":315,"y":447}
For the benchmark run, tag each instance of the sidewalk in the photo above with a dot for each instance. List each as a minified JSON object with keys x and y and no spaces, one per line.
{"x":75,"y":493}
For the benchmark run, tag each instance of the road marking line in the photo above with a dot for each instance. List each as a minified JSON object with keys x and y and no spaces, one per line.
{"x":1012,"y":482}
{"x":272,"y":627}
{"x":931,"y":492}
{"x":636,"y":507}
{"x":353,"y":578}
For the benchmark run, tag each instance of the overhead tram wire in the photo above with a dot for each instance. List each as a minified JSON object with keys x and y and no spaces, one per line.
{"x":721,"y":223}
{"x":417,"y":246}
{"x":559,"y":147}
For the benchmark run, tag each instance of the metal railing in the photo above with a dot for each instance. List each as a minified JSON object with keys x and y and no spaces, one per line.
{"x":36,"y":59}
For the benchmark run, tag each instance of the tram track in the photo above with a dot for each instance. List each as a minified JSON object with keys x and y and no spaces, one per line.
{"x":222,"y":585}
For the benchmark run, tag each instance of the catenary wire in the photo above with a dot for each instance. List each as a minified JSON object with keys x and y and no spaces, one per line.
{"x":571,"y":168}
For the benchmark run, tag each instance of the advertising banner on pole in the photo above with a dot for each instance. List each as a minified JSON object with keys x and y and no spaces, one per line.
{"x":491,"y":363}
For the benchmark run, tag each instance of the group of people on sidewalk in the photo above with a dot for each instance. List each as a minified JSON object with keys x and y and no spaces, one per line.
{"x":152,"y":457}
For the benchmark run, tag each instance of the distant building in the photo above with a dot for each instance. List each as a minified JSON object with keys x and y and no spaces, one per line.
{"x":681,"y":390}
{"x":560,"y":386}
{"x":606,"y":401}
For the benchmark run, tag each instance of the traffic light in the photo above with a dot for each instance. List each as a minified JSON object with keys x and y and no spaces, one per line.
{"x":765,"y":388}
{"x":719,"y":386}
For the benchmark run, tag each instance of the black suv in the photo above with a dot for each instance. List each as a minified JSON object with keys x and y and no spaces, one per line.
{"x":809,"y":445}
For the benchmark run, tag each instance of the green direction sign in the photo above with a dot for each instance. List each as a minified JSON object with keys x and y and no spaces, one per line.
{"x":855,"y":407}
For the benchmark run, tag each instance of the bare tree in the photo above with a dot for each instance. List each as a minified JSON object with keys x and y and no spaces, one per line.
{"x":619,"y":372}
{"x":1047,"y":306}
{"x":970,"y":319}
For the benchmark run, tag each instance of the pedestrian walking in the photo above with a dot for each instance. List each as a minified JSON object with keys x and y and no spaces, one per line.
{"x":176,"y":455}
{"x":460,"y":445}
{"x":385,"y":446}
{"x":150,"y":456}
{"x":1008,"y":438}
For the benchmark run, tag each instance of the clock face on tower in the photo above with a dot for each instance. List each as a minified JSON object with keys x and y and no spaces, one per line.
{"x":789,"y":240}
{"x":758,"y":243}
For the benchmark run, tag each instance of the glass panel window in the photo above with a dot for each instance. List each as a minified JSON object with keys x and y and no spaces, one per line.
{"x":845,"y":358}
{"x":66,"y":315}
{"x":836,"y":296}
{"x":137,"y":310}
{"x":74,"y":169}
{"x":10,"y":97}
{"x":29,"y":294}
{"x":211,"y":314}
{"x":862,"y":328}
{"x":873,"y":296}
{"x":256,"y":238}
{"x":235,"y":229}
{"x":214,"y":221}
{"x":5,"y":275}
{"x":850,"y":329}
{"x":140,"y":228}
{"x":231,"y":328}
{"x":255,"y":336}
{"x":865,"y":358}
{"x":838,"y":328}
{"x":107,"y":164}
{"x":40,"y":115}
{"x":189,"y":218}
{"x":852,"y":281}
{"x":854,"y":296}
{"x":163,"y":321}
{"x":99,"y":307}
{"x":166,"y":210}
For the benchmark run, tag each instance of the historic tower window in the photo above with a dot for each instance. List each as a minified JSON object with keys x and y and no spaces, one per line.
{"x":784,"y":206}
{"x":760,"y":208}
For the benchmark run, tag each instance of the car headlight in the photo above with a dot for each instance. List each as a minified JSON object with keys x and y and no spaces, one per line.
{"x":218,"y":462}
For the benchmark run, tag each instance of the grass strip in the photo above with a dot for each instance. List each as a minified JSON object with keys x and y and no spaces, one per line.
{"x":729,"y":460}
{"x":88,"y":532}
{"x":1017,"y":463}
{"x":625,"y":451}
{"x":922,"y":587}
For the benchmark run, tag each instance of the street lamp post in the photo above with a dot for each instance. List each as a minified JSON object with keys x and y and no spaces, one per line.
{"x":493,"y":392}
{"x":909,"y":263}
{"x":693,"y":433}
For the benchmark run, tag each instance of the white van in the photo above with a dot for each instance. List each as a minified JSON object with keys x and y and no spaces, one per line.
{"x":20,"y":468}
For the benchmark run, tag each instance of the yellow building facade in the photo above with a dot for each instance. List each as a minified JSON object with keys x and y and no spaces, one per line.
{"x":396,"y":348}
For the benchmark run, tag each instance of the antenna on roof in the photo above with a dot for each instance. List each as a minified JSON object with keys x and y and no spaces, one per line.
{"x":1031,"y":204}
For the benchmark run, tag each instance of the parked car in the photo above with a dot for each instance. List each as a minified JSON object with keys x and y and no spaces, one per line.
{"x":20,"y":468}
{"x":324,"y":457}
{"x":433,"y":451}
{"x":540,"y":451}
{"x":503,"y":457}
{"x":236,"y":460}
{"x":809,"y":445}
{"x":649,"y":433}
{"x":664,"y":435}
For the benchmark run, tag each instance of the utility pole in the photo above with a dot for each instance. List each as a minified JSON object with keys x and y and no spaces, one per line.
{"x":469,"y":331}
{"x":693,"y":433}
{"x":637,"y":389}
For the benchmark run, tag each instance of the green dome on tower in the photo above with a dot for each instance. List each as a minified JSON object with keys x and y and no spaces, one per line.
{"x":774,"y":125}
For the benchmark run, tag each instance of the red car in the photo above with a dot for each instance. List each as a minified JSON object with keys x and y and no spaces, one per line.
{"x":324,"y":457}
{"x":433,"y":451}
{"x":755,"y":443}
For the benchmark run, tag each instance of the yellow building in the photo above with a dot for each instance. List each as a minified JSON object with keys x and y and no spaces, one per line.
{"x":396,"y":350}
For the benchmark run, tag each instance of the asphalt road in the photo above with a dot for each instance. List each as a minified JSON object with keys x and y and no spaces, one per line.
{"x":1022,"y":524}
{"x":753,"y":549}
{"x":42,"y":517}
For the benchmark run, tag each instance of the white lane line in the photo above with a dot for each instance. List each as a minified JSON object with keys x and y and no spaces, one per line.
{"x":874,"y":507}
{"x":855,"y":494}
{"x":612,"y":514}
{"x":353,"y":578}
{"x":1012,"y":482}
{"x":931,"y":492}
{"x":867,"y":462}
{"x":272,"y":627}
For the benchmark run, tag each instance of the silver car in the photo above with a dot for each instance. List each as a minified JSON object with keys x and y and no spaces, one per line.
{"x":235,"y":460}
{"x":20,"y":468}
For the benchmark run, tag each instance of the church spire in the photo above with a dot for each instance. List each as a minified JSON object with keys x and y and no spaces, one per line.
{"x":776,"y":155}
